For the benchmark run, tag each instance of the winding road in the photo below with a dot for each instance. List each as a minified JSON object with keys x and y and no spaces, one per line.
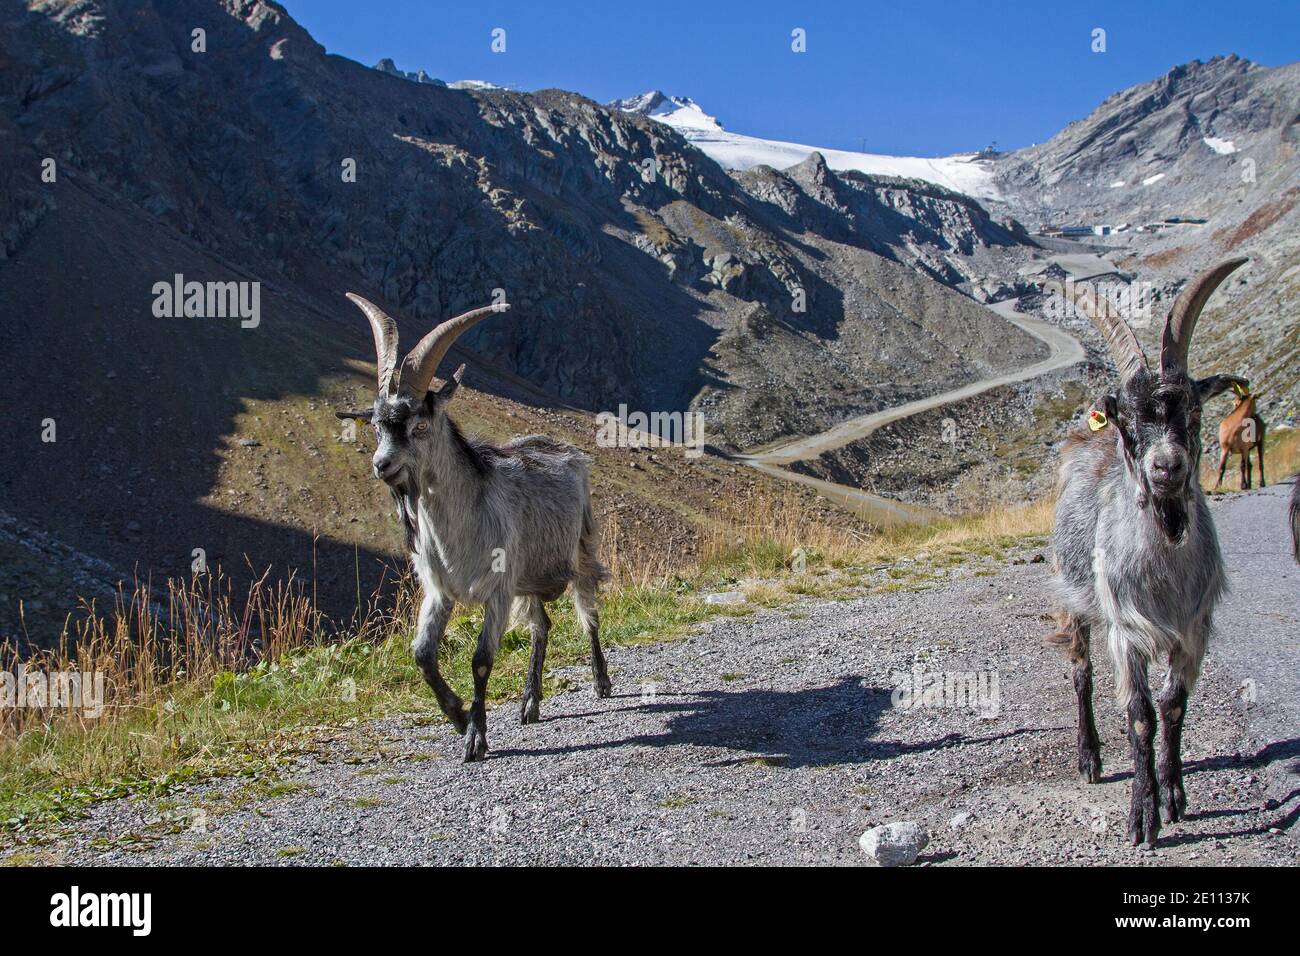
{"x":1064,"y":351}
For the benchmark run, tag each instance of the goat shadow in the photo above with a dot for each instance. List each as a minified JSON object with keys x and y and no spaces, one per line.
{"x":813,"y":727}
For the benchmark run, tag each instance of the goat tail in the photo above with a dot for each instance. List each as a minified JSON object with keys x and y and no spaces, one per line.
{"x":1071,"y":636}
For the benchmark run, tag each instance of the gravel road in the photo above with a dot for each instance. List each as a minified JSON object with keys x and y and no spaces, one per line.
{"x":773,"y":739}
{"x":1064,"y":351}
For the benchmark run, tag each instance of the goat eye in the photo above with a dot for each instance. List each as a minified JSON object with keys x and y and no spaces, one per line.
{"x":421,"y":427}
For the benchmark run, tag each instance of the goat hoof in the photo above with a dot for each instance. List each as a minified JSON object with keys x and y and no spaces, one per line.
{"x":1143,"y":822}
{"x":531,"y":710}
{"x":476,"y":747}
{"x":1090,"y":767}
{"x":603,"y":687}
{"x":1173,"y":803}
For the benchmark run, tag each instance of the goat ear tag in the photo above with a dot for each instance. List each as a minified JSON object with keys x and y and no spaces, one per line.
{"x":1241,"y":391}
{"x":1096,"y":420}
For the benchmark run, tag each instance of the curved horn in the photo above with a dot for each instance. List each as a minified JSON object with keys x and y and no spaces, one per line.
{"x":1124,"y":347}
{"x":422,"y":361}
{"x":385,"y":331}
{"x":1181,"y":323}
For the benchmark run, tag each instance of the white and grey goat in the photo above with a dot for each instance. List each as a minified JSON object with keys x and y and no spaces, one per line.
{"x":485,"y":524}
{"x":1136,"y":551}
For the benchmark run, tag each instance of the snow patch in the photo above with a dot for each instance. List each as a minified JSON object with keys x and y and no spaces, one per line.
{"x":1224,"y":147}
{"x":1117,"y":184}
{"x":1153,"y":179}
{"x":963,"y":173}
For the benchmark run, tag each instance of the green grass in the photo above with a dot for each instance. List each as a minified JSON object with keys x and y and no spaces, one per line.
{"x":253,"y":721}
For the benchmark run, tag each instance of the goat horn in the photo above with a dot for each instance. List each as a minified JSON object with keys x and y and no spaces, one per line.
{"x":1180,"y":324}
{"x":1124,"y":347}
{"x":422,"y":361}
{"x":385,"y":331}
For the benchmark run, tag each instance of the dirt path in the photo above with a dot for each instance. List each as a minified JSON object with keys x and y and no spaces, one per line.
{"x":774,"y":739}
{"x":1065,"y":351}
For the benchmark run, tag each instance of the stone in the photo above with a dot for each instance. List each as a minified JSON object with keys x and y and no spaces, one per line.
{"x":894,"y":844}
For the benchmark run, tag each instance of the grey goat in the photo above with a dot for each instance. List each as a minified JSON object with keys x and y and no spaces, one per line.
{"x":485,"y":525}
{"x":1136,"y":552}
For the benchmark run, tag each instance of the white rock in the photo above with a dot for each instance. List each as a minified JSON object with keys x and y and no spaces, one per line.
{"x":960,"y":820}
{"x":894,"y":844}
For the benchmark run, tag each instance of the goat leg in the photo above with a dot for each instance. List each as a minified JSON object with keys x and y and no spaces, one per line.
{"x":495,"y":614}
{"x":435,"y":612}
{"x":1143,"y":815}
{"x":1173,"y":711}
{"x":584,"y":601}
{"x":539,"y":625}
{"x":1259,"y":450}
{"x":1077,"y":632}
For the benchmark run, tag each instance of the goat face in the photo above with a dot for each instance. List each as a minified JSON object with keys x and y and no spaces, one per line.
{"x":402,"y":425}
{"x":1159,"y":421}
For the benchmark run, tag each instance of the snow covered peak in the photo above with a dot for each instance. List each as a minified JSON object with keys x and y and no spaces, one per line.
{"x":964,"y":173}
{"x":680,"y":112}
{"x":474,"y":85}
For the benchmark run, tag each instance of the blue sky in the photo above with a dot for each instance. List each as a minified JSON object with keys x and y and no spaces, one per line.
{"x":905,"y":78}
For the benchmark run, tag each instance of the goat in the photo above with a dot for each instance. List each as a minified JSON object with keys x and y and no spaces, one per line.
{"x":1295,"y":518}
{"x":1136,"y":551}
{"x":1241,"y":431}
{"x":485,"y":525}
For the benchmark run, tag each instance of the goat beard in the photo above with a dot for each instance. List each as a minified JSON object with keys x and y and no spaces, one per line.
{"x":404,"y":500}
{"x":1171,"y":516}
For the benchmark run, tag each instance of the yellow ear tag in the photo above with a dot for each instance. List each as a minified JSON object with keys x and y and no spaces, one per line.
{"x":1096,"y":420}
{"x":1241,"y":392}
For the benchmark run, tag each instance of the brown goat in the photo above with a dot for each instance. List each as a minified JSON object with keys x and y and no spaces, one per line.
{"x":1241,"y":431}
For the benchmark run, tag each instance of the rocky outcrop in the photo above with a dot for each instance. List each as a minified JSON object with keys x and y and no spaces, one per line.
{"x":386,"y":65}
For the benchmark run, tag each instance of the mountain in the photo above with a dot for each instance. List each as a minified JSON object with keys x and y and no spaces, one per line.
{"x":1206,"y":159}
{"x":1157,"y":146}
{"x":966,"y":173}
{"x":640,"y":271}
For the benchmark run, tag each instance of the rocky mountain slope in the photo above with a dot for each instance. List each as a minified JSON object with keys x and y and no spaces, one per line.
{"x":1178,"y":145}
{"x":600,"y":226}
{"x":1213,"y":142}
{"x":640,"y":271}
